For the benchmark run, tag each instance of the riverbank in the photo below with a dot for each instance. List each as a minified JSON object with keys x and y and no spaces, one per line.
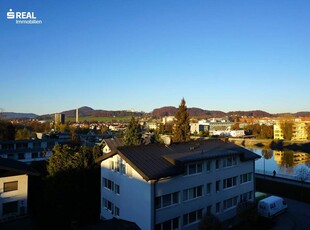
{"x":272,"y":144}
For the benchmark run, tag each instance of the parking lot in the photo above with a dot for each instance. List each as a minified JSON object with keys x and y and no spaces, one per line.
{"x":297,"y":217}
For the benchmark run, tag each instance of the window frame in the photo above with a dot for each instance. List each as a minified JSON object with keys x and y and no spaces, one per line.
{"x":10,"y":186}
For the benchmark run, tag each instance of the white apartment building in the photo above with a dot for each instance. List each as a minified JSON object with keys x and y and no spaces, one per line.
{"x":172,"y":187}
{"x":13,"y":188}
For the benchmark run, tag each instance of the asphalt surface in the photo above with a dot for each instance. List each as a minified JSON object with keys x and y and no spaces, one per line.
{"x":297,"y":217}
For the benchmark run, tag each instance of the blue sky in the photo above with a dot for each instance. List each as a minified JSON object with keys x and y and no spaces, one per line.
{"x":218,"y":54}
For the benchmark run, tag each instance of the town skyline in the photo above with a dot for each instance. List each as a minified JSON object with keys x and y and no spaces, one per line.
{"x":116,"y":55}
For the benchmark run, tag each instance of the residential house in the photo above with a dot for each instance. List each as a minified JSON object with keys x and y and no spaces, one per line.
{"x":13,"y":188}
{"x":167,"y":119}
{"x":194,"y":127}
{"x":172,"y":186}
{"x":111,"y":145}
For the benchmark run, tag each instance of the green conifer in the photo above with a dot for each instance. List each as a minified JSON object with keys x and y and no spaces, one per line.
{"x":181,"y":129}
{"x":133,"y":134}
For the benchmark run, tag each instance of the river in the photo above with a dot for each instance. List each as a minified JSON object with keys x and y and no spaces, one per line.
{"x":290,"y":164}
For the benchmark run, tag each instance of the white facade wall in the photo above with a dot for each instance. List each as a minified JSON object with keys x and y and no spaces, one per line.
{"x":182,"y":182}
{"x":135,"y":198}
{"x":237,"y":133}
{"x":194,"y":128}
{"x":19,"y":195}
{"x":106,"y":149}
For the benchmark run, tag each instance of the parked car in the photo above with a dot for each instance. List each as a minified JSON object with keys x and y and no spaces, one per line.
{"x":271,"y":206}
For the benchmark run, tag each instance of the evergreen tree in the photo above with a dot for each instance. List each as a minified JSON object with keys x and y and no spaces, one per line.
{"x":133,"y":135}
{"x":181,"y":130}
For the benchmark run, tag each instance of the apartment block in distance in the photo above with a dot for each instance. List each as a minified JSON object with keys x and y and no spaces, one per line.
{"x":29,"y":150}
{"x":60,"y":118}
{"x":173,"y":186}
{"x":299,"y":130}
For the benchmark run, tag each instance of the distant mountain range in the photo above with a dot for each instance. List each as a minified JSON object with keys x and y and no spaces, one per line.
{"x":10,"y":115}
{"x":89,"y":112}
{"x":159,"y":112}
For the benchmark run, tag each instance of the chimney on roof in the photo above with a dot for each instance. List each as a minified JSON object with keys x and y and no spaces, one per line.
{"x":167,"y":140}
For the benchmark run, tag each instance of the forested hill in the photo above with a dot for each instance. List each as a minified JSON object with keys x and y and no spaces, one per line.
{"x":89,"y":112}
{"x":198,"y":112}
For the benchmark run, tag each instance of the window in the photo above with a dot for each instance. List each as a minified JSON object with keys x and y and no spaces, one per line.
{"x":250,"y":195}
{"x":168,"y":225}
{"x":194,"y":169}
{"x":123,"y":167}
{"x":218,"y":207}
{"x":108,"y":184}
{"x":34,"y":155}
{"x":116,"y":188}
{"x":229,"y":161}
{"x":217,"y":189}
{"x":116,"y":211}
{"x":108,"y":205}
{"x":245,"y":178}
{"x":21,"y":156}
{"x":167,"y":200}
{"x":10,"y":207}
{"x":208,"y":166}
{"x":217,"y":164}
{"x":192,"y":193}
{"x":229,"y":203}
{"x":209,"y":210}
{"x":192,"y":217}
{"x":246,"y":196}
{"x":117,"y":168}
{"x":129,"y":171}
{"x":229,"y":182}
{"x":10,"y":186}
{"x":209,"y":187}
{"x":112,"y":165}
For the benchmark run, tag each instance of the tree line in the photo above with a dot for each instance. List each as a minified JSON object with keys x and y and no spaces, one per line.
{"x":68,"y":190}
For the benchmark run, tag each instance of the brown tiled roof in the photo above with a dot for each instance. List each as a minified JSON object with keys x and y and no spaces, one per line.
{"x":156,"y":161}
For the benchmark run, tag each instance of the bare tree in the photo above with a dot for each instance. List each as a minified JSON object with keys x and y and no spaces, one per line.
{"x":303,"y":174}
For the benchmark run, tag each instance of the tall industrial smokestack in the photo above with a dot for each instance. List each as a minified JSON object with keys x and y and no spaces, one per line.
{"x":77,"y":115}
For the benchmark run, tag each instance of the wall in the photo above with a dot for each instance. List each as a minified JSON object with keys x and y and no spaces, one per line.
{"x":182,"y":182}
{"x":134,"y":200}
{"x":19,"y":195}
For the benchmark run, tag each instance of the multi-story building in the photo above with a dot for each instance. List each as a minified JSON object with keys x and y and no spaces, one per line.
{"x":13,"y":188}
{"x":277,"y":131}
{"x":299,"y":130}
{"x":59,"y":118}
{"x":172,"y":186}
{"x":28,"y":150}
